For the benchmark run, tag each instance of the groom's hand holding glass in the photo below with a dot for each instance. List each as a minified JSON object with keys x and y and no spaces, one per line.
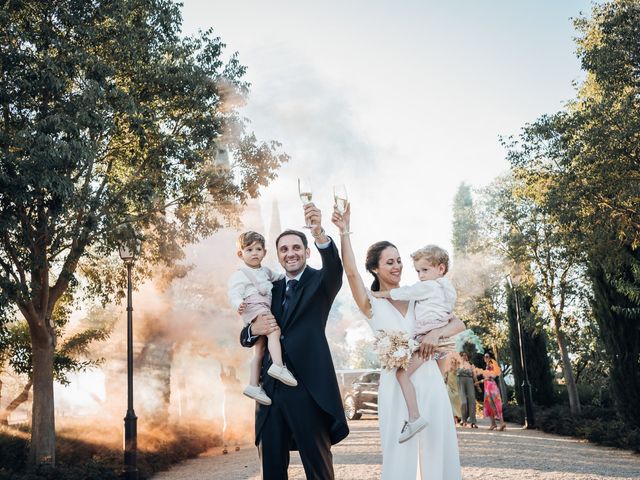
{"x":313,"y":217}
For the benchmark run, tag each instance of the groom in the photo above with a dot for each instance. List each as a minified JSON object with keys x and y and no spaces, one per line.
{"x":308,"y":417}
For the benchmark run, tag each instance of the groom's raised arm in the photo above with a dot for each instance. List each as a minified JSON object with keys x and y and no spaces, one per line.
{"x":331,"y":267}
{"x":331,"y":263}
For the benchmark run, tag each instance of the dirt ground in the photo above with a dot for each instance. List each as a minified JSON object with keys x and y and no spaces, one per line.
{"x":512,"y":454}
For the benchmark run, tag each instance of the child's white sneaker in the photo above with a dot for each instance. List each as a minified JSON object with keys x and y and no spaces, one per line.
{"x":283,"y":374}
{"x":411,"y":428}
{"x":258,"y":394}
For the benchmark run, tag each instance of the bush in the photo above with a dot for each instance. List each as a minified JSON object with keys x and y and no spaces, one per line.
{"x":84,"y":460}
{"x":598,"y":425}
{"x":513,"y":413}
{"x":13,"y":449}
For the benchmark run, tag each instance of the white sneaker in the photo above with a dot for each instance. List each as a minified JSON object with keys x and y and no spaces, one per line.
{"x":258,"y":394}
{"x":283,"y":374}
{"x":411,"y":428}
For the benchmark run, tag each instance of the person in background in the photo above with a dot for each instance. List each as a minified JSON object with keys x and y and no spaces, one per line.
{"x":492,"y":399}
{"x":451,"y":381}
{"x":466,"y":380}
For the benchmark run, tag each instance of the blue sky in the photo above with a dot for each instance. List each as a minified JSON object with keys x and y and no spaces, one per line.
{"x":401,"y":101}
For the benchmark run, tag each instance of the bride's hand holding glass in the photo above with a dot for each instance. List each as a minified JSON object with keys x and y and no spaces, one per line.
{"x":342,"y":220}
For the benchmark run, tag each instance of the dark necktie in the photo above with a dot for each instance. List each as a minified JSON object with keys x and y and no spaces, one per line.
{"x":288,"y":293}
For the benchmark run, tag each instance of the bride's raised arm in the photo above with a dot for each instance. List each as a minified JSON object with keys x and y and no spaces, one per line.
{"x":358,"y":290}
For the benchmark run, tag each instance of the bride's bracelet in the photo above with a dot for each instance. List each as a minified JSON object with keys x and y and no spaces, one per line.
{"x":342,"y":234}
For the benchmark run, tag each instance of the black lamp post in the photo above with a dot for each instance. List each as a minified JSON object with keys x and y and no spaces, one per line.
{"x":529,"y":419}
{"x":128,"y":254}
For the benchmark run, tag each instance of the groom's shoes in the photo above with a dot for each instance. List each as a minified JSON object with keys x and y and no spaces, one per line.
{"x":411,"y":428}
{"x":283,"y":374}
{"x":258,"y":394}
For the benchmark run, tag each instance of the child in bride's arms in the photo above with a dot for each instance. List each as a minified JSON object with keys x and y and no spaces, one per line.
{"x":435,"y":297}
{"x":249,"y":291}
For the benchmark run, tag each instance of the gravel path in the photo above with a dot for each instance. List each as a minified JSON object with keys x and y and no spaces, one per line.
{"x":513,"y":454}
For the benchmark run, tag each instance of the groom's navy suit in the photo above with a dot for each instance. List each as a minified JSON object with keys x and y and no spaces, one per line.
{"x":309,"y":417}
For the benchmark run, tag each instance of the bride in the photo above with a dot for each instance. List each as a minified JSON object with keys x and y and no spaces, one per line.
{"x":432,"y":454}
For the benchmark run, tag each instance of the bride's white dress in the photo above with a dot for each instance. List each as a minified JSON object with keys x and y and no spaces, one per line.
{"x":432,"y":454}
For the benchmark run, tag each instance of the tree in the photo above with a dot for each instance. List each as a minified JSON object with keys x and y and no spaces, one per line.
{"x":588,"y":155}
{"x":534,"y":341}
{"x":476,"y":273}
{"x":71,"y":354}
{"x":465,"y":224}
{"x":110,"y":117}
{"x":531,"y":242}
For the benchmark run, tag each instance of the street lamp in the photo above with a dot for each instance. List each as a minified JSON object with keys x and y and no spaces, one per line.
{"x":529,"y":419}
{"x":128,"y":254}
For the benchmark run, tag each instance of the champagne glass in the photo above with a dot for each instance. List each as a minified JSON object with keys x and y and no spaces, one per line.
{"x":306,"y":192}
{"x":340,"y":198}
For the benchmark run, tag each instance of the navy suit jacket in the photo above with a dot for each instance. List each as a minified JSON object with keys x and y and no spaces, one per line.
{"x":304,"y":344}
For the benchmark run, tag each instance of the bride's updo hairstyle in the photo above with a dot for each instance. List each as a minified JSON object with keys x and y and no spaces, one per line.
{"x":373,"y":260}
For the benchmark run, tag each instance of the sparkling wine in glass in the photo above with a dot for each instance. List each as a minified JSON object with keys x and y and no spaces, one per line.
{"x":305,"y":191}
{"x":340,"y":198}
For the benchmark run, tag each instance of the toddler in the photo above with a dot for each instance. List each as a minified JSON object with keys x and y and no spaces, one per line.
{"x":250,"y":294}
{"x":435,"y":298}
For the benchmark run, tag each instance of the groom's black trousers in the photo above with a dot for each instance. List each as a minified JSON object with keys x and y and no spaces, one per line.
{"x":294,"y":413}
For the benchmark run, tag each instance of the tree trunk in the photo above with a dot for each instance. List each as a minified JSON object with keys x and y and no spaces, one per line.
{"x":572,"y":390}
{"x":43,"y":433}
{"x":16,"y":402}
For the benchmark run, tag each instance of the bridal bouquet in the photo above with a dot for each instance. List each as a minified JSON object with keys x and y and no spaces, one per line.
{"x":394,"y":347}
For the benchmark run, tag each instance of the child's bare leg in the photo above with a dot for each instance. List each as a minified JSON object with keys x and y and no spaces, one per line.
{"x":407,"y":387}
{"x":415,"y":363}
{"x":409,"y":393}
{"x":275,"y":349}
{"x":256,"y":362}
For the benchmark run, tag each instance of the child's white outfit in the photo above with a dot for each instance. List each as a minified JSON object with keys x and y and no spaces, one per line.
{"x":435,"y":300}
{"x":253,"y":287}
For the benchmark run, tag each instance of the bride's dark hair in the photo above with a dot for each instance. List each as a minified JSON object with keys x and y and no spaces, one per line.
{"x":373,"y":260}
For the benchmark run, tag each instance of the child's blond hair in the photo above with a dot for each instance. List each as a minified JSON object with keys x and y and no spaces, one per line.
{"x":434,"y":254}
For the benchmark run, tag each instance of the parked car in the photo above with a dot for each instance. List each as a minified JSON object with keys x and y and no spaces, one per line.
{"x":362,"y":397}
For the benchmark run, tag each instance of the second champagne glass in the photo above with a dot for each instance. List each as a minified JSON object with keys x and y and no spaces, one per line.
{"x":340,"y":198}
{"x":305,"y":192}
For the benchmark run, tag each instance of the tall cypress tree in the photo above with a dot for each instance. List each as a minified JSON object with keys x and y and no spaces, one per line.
{"x":534,"y":340}
{"x":465,"y":224}
{"x":616,"y":302}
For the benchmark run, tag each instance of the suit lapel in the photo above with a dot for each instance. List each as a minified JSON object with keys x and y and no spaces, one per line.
{"x":277,"y":296}
{"x":296,"y":297}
